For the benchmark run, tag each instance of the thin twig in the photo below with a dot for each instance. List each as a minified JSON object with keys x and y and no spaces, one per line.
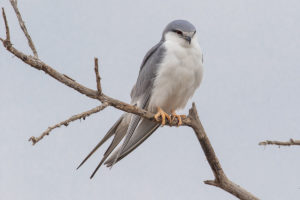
{"x":6,"y":42}
{"x":66,"y":122}
{"x":98,"y":78}
{"x":6,"y":25}
{"x":280,"y":143}
{"x":23,"y":27}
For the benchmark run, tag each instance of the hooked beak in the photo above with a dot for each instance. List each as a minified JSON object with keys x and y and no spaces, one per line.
{"x":188,"y":38}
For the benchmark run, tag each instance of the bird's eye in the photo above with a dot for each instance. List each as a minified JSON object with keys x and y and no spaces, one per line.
{"x":178,"y":32}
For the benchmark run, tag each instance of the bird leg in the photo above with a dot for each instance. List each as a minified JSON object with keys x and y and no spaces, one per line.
{"x":163,"y":115}
{"x":174,"y":115}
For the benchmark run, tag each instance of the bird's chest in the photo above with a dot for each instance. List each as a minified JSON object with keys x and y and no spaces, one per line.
{"x":184,"y":66}
{"x":178,"y":76}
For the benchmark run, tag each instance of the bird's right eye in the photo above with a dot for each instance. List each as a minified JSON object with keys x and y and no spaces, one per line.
{"x":178,"y":32}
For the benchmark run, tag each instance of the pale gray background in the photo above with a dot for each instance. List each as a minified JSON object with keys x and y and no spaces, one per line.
{"x":250,"y":93}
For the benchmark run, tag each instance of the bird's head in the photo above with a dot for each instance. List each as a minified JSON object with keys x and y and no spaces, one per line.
{"x":180,"y":31}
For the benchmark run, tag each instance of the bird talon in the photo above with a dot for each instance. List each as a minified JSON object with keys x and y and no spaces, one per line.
{"x":179,"y":117}
{"x":163,"y":115}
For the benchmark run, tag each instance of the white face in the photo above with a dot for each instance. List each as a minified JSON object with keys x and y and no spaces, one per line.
{"x":175,"y":37}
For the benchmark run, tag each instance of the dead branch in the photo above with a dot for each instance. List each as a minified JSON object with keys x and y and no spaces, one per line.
{"x":23,"y":27}
{"x":192,"y":120}
{"x":98,"y":79}
{"x":83,"y":115}
{"x":221,"y":179}
{"x":6,"y":42}
{"x":280,"y":143}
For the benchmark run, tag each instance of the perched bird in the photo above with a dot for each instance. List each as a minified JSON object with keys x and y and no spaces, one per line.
{"x":169,"y":75}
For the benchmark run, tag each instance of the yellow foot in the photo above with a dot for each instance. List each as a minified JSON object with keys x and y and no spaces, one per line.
{"x":174,"y":115}
{"x":163,"y":115}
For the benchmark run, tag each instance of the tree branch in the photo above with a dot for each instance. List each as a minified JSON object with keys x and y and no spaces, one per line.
{"x":192,"y":120}
{"x":221,"y":180}
{"x":280,"y":143}
{"x":6,"y":42}
{"x":83,"y":115}
{"x":98,"y":79}
{"x":23,"y":27}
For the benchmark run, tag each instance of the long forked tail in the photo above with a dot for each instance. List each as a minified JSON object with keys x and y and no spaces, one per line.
{"x":142,"y":132}
{"x":144,"y":129}
{"x":120,"y":123}
{"x":119,"y":135}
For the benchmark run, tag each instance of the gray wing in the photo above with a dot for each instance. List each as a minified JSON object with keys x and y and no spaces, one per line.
{"x":140,"y":96}
{"x":147,"y":72}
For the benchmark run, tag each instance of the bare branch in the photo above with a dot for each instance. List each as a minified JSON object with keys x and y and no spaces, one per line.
{"x":98,"y":78}
{"x":6,"y":42}
{"x":69,"y":77}
{"x":83,"y":115}
{"x":221,"y":180}
{"x":6,"y":25}
{"x":280,"y":143}
{"x":23,"y":27}
{"x":39,"y":65}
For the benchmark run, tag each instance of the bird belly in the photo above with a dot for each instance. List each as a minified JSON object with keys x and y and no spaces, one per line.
{"x":178,"y":76}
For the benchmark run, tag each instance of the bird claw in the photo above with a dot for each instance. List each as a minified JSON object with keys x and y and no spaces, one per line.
{"x":179,"y":117}
{"x":163,"y":115}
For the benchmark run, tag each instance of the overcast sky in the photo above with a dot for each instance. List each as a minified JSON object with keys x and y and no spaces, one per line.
{"x":250,"y":93}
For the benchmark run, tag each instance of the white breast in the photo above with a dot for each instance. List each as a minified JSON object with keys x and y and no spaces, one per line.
{"x":178,"y":76}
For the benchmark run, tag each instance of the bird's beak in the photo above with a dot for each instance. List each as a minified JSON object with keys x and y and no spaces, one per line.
{"x":188,"y":38}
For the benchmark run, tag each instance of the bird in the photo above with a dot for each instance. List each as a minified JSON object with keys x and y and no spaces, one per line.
{"x":170,"y":73}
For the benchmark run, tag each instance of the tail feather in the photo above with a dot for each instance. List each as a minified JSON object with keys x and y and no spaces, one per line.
{"x":110,"y":133}
{"x":139,"y":134}
{"x":130,"y":131}
{"x":119,"y":135}
{"x":142,"y":132}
